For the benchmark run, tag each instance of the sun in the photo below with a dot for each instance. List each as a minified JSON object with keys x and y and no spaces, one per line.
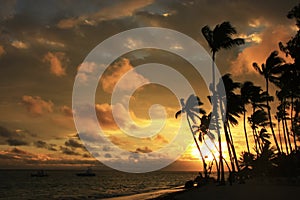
{"x":194,"y":152}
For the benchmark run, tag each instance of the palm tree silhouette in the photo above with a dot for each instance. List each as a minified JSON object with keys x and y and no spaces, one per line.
{"x":192,"y":110}
{"x":268,"y":70}
{"x":219,"y":38}
{"x":234,"y":109}
{"x":258,"y":119}
{"x":247,"y":91}
{"x":289,"y":85}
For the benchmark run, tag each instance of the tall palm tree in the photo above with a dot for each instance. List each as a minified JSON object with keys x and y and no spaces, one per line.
{"x":247,"y":91}
{"x":219,"y":38}
{"x":192,"y":109}
{"x":258,"y":119}
{"x":234,"y":109}
{"x":268,"y":71}
{"x":289,"y":84}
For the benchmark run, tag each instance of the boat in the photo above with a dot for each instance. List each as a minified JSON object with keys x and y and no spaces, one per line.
{"x":39,"y":173}
{"x":88,"y":172}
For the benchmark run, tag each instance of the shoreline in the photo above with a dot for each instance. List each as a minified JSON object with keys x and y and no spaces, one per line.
{"x":148,"y":195}
{"x":275,"y":189}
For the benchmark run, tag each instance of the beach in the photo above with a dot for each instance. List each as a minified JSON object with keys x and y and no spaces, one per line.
{"x":276,"y":189}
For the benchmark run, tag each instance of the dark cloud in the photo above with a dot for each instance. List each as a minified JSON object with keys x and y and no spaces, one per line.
{"x":73,"y":144}
{"x":4,"y":132}
{"x":68,"y":151}
{"x":45,"y":145}
{"x":107,"y":155}
{"x":16,"y":142}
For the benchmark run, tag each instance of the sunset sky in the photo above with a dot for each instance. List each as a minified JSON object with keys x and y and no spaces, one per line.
{"x":44,"y":43}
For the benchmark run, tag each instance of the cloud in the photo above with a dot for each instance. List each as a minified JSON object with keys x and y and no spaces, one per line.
{"x":143,"y":150}
{"x":108,"y":121}
{"x":114,"y":11}
{"x":16,"y":142}
{"x":56,"y":61}
{"x":19,"y":44}
{"x":36,"y":106}
{"x":2,"y":51}
{"x":14,"y":138}
{"x":68,"y":151}
{"x":47,"y":42}
{"x":260,"y":46}
{"x":73,"y":144}
{"x":67,"y":111}
{"x":4,"y":132}
{"x":161,"y":138}
{"x":116,"y":71}
{"x":105,"y":117}
{"x":45,"y":145}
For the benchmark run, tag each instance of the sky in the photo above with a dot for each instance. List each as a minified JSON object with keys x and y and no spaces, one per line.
{"x":43,"y":45}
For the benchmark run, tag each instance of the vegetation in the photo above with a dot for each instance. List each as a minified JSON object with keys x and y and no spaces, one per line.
{"x":275,"y":151}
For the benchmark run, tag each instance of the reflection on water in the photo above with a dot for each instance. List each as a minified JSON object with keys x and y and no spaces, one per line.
{"x":18,"y":184}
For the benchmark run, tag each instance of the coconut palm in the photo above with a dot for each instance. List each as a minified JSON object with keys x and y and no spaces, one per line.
{"x":192,"y":110}
{"x":219,"y":38}
{"x":248,"y":92}
{"x":258,"y":119}
{"x":268,"y":70}
{"x":234,"y":109}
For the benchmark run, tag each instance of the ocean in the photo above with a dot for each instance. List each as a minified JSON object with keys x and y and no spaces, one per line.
{"x":64,"y":184}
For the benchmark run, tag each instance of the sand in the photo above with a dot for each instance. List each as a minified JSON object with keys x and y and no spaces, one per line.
{"x":252,"y":190}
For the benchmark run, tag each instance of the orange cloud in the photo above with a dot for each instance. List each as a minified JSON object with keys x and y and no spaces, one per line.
{"x":105,"y":117}
{"x":143,"y":150}
{"x":19,"y":44}
{"x":115,"y":73}
{"x":114,"y":11}
{"x":56,"y":61}
{"x":66,"y":110}
{"x":36,"y":105}
{"x":262,"y":44}
{"x":2,"y":51}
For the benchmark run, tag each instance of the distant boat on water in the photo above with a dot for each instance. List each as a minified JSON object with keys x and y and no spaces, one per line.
{"x":88,"y":172}
{"x":39,"y":173}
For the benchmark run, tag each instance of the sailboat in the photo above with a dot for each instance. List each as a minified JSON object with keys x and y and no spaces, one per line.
{"x":88,"y":172}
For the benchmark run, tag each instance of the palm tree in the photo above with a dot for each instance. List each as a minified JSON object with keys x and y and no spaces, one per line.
{"x":234,"y":109}
{"x":219,"y":38}
{"x":258,"y":119}
{"x":248,"y":92}
{"x":268,"y":70}
{"x":192,"y":110}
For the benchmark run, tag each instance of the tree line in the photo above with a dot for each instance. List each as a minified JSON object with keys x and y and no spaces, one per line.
{"x":274,"y":153}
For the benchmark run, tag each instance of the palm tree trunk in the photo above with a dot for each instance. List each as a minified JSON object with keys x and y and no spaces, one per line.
{"x":287,"y":129}
{"x":229,"y":147}
{"x":198,"y":147}
{"x":284,"y":136}
{"x":233,"y":149}
{"x":292,"y":121}
{"x":215,"y":113}
{"x":245,"y":131}
{"x":212,"y":153}
{"x":270,"y":117}
{"x":279,"y":134}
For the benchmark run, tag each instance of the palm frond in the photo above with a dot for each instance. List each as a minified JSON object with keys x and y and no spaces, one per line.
{"x":178,"y":113}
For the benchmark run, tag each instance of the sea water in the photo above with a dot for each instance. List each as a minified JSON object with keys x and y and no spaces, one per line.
{"x":64,"y":184}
